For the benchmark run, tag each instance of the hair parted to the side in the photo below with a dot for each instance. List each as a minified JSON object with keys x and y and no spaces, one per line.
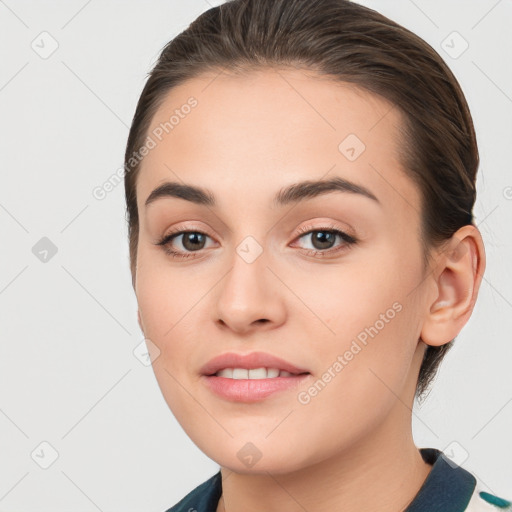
{"x":346,"y":42}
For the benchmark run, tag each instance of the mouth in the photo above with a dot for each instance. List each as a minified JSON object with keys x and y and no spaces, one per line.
{"x":255,"y":365}
{"x":254,"y":373}
{"x":251,"y":377}
{"x":252,"y":385}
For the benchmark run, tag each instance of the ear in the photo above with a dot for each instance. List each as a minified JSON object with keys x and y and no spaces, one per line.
{"x":139,"y":319}
{"x":456,"y":280}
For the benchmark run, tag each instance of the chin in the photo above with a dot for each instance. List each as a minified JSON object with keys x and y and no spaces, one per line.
{"x":247,"y":459}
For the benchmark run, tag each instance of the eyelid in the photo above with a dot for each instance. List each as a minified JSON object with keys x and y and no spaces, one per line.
{"x":325,"y":226}
{"x":303,"y":230}
{"x":180,"y":228}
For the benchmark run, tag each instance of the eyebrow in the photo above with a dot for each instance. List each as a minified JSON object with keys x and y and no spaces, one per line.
{"x":294,"y":193}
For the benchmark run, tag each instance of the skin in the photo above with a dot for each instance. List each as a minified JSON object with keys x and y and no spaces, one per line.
{"x":249,"y":136}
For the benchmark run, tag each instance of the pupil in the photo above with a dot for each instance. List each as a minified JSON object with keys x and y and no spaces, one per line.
{"x":321,"y":237}
{"x":191,"y":241}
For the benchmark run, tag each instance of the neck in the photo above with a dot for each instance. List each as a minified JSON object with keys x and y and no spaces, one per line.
{"x":386,"y":478}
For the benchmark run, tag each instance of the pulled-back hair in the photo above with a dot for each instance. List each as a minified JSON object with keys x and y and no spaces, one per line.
{"x":350,"y":43}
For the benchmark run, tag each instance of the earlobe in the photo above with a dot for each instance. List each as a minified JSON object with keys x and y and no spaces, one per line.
{"x":457,"y":281}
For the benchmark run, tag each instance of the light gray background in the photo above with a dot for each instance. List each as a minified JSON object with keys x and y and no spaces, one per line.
{"x":68,"y":375}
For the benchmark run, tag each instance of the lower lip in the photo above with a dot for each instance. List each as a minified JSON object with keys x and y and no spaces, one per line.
{"x":251,"y":390}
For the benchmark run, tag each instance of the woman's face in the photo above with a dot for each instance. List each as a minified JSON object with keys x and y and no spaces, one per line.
{"x":263,"y":275}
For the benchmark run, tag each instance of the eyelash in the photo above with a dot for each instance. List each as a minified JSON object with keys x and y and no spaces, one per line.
{"x":348,"y":239}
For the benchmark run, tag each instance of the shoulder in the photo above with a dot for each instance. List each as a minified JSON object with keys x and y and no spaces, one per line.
{"x":204,"y":498}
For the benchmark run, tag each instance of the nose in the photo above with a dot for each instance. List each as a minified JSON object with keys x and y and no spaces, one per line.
{"x":250,"y":296}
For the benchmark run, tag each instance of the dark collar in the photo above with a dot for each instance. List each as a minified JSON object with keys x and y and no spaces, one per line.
{"x":448,"y":487}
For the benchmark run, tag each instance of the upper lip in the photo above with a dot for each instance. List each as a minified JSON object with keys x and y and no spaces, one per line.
{"x":249,"y":361}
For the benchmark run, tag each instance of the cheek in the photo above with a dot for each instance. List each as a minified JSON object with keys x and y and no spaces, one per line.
{"x":365,"y":290}
{"x":165,"y":296}
{"x":364,"y":366}
{"x":166,"y":303}
{"x":370,"y":321}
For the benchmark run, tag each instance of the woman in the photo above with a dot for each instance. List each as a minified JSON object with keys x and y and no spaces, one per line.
{"x":300,"y":178}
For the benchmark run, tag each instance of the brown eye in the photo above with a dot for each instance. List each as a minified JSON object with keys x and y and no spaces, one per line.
{"x":191,"y":242}
{"x":323,"y":240}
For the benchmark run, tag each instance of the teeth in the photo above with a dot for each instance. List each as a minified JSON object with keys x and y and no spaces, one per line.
{"x":227,"y":372}
{"x":255,"y":373}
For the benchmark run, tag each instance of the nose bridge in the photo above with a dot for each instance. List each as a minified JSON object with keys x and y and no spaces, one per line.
{"x":246,"y":294}
{"x":245,"y":283}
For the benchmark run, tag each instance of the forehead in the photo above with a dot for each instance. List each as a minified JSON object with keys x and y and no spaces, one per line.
{"x":268,"y":128}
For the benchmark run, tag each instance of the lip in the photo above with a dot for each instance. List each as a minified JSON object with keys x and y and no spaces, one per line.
{"x":251,"y":390}
{"x":249,"y":361}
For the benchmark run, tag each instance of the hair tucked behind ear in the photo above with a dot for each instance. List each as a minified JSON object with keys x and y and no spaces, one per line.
{"x":349,"y":43}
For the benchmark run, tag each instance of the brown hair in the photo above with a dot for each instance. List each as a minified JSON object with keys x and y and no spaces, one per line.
{"x":347,"y":42}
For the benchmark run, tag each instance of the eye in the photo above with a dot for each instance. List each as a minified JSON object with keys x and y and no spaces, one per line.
{"x":192,"y":241}
{"x":323,"y":238}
